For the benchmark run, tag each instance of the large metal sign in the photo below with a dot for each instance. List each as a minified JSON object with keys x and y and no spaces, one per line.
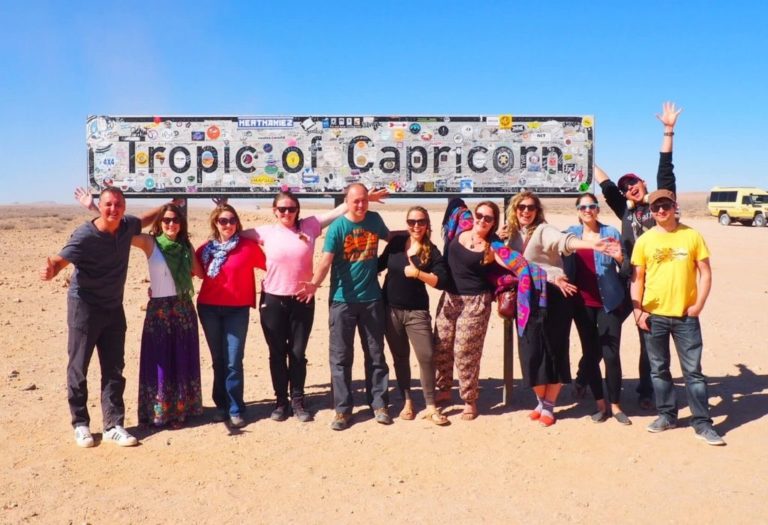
{"x":413,"y":155}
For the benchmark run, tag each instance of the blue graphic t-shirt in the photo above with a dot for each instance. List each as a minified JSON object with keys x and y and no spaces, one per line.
{"x":355,"y":246}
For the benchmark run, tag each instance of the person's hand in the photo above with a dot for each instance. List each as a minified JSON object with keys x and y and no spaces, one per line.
{"x":503,"y":232}
{"x":669,"y":114}
{"x":220,"y":201}
{"x":178,"y":201}
{"x":411,"y":271}
{"x":85,"y":199}
{"x":642,"y":321}
{"x":607,"y":243}
{"x":48,"y":271}
{"x":693,"y":311}
{"x":568,"y":289}
{"x":378,"y":195}
{"x":613,"y":250}
{"x":306,"y":292}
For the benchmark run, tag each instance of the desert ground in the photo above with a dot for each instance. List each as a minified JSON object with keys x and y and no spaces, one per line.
{"x":500,"y":468}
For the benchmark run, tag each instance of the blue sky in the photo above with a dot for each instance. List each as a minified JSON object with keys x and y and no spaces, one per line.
{"x":614,"y":60}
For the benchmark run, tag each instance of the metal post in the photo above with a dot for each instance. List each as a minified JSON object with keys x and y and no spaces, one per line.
{"x":509,"y":333}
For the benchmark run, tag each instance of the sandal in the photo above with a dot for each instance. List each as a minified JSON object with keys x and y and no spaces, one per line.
{"x":407,"y":413}
{"x":437,"y":418}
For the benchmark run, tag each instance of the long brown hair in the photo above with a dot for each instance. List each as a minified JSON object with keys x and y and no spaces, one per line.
{"x":488,"y":256}
{"x":426,"y":242}
{"x":513,"y":225}
{"x":157,"y":228}
{"x":218,"y":210}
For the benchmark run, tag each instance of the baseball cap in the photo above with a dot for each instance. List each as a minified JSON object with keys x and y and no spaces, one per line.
{"x":661,"y":194}
{"x":626,"y":180}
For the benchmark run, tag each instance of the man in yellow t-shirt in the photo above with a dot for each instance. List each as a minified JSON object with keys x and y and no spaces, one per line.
{"x":671,"y":280}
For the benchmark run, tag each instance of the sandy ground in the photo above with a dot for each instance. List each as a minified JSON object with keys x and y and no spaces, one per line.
{"x":500,"y":468}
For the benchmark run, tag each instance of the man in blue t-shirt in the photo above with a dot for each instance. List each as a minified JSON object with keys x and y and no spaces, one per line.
{"x":99,"y":251}
{"x":350,"y":252}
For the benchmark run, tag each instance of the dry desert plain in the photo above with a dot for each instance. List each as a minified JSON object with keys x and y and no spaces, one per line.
{"x":500,"y":468}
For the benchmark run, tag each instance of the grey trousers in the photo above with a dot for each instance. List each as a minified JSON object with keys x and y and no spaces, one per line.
{"x":406,"y":328}
{"x":92,"y":326}
{"x":368,"y":320}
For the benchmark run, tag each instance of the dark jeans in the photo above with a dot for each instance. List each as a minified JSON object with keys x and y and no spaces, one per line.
{"x":368,"y":320}
{"x":225,"y":329}
{"x":93,"y":326}
{"x":600,"y":335}
{"x":286,"y":323}
{"x":406,"y":327}
{"x":686,"y":332}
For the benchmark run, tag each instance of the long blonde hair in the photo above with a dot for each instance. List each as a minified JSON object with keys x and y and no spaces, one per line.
{"x":426,"y":242}
{"x":513,"y":225}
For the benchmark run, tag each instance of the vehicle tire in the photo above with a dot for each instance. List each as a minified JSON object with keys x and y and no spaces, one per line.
{"x":760,"y":220}
{"x":724,"y":219}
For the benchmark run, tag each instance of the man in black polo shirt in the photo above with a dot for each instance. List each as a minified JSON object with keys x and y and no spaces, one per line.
{"x":99,"y":250}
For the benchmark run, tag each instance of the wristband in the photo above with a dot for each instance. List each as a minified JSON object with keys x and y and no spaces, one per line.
{"x":669,"y":133}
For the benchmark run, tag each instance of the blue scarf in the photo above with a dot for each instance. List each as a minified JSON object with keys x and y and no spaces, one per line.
{"x":216,"y":254}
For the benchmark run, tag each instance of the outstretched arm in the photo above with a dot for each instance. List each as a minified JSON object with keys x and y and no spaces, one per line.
{"x":310,"y":287}
{"x":53,"y":265}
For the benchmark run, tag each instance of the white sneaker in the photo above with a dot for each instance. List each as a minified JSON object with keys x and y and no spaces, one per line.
{"x":83,"y":436}
{"x":120,"y":437}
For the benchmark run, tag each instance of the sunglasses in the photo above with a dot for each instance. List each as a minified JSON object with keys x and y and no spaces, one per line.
{"x":487,"y":219}
{"x":527,"y":207}
{"x":414,"y":222}
{"x":625,"y":184}
{"x":286,"y":209}
{"x":666,"y":206}
{"x":223,"y":221}
{"x":585,"y":207}
{"x":169,"y":220}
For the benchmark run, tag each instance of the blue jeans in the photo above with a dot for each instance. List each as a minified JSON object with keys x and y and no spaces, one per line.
{"x":225,"y":328}
{"x":686,"y":332}
{"x":368,"y":319}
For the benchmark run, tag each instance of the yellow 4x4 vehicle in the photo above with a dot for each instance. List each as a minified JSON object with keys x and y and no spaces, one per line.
{"x":746,"y":205}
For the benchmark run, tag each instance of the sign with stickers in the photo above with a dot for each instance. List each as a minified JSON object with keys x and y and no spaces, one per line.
{"x":323,"y":154}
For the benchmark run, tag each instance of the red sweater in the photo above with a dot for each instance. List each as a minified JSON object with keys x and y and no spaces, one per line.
{"x":235,"y":284}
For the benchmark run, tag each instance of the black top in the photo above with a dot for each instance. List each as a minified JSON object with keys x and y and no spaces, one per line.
{"x":636,"y":221}
{"x":101,"y":262}
{"x":467,"y":271}
{"x":404,"y":292}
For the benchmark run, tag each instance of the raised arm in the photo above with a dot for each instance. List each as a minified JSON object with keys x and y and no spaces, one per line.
{"x":328,"y":217}
{"x":668,"y":117}
{"x":145,"y":242}
{"x":613,"y":196}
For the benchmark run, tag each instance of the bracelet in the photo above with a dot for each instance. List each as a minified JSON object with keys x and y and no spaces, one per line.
{"x":418,"y":272}
{"x":669,"y":133}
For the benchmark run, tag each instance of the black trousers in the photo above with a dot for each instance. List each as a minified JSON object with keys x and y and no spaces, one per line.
{"x":600,"y":335}
{"x":287,"y":323}
{"x":94,"y":326}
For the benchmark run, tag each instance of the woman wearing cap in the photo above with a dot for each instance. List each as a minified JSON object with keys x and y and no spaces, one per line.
{"x":465,"y":306}
{"x":286,"y":311}
{"x":598,"y":307}
{"x":629,"y":201}
{"x":412,"y":261}
{"x":227,"y":294}
{"x":545,"y":344}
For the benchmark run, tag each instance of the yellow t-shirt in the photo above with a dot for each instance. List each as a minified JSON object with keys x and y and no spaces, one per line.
{"x":669,"y":259}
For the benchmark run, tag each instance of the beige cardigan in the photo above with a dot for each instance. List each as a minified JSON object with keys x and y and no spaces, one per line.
{"x":546,"y":248}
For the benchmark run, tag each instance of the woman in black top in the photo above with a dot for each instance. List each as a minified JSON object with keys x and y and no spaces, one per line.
{"x":411,"y":261}
{"x":465,"y":307}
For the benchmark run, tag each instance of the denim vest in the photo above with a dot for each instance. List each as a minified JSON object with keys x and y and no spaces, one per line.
{"x":612,"y":288}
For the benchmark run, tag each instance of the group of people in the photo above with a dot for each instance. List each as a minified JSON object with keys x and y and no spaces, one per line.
{"x":591,"y":274}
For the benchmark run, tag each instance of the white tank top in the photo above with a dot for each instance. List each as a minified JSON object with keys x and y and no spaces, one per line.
{"x":160,"y":278}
